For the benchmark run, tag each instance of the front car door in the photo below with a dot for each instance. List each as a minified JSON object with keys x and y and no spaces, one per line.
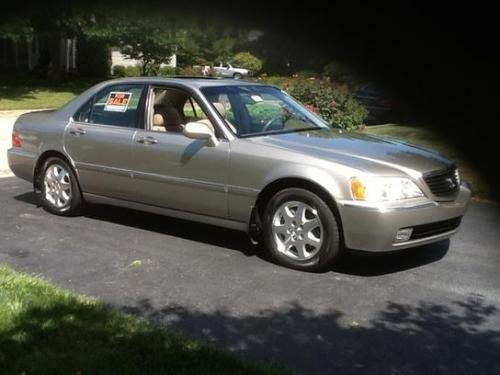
{"x":99,"y":140}
{"x":176,"y":172}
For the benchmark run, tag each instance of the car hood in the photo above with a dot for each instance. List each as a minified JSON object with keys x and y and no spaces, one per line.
{"x":358,"y":150}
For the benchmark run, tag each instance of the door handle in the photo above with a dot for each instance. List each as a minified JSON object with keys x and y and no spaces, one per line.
{"x":78,"y":131}
{"x":147,"y":140}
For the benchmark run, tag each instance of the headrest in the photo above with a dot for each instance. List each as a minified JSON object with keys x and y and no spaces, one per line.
{"x":160,"y":97}
{"x":220,"y":108}
{"x":158,"y":120}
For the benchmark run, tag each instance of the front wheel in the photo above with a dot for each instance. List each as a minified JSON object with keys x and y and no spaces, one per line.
{"x":300,"y":230}
{"x":60,"y":190}
{"x":237,"y":76}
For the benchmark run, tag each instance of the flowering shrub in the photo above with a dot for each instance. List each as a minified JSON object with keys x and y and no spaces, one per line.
{"x":333,"y":104}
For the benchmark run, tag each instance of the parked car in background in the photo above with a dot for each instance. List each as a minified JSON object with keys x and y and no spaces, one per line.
{"x":377,"y":102}
{"x":243,"y":156}
{"x":230,"y":71}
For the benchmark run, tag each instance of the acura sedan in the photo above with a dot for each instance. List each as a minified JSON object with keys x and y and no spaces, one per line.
{"x":243,"y":156}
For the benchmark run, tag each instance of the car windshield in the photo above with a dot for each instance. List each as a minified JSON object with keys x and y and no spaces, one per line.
{"x":253,"y":110}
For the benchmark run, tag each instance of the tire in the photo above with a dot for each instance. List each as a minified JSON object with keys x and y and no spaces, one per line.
{"x":65,"y":199}
{"x":237,"y":76}
{"x":313,"y":243}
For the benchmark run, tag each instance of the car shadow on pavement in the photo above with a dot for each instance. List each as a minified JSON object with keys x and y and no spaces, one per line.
{"x":190,"y":230}
{"x":456,"y":337}
{"x":376,"y":264}
{"x":352,"y":263}
{"x":185,"y":229}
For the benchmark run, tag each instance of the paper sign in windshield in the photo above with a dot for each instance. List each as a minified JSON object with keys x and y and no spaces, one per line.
{"x":117,"y":101}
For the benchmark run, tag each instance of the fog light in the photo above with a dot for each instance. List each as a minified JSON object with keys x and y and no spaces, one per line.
{"x":403,"y":235}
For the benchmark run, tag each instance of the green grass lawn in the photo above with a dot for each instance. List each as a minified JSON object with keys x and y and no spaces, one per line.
{"x":25,"y":97}
{"x":427,"y":138}
{"x":47,"y":330}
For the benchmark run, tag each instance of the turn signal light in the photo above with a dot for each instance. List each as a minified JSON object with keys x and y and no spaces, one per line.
{"x":357,"y":189}
{"x":16,"y":139}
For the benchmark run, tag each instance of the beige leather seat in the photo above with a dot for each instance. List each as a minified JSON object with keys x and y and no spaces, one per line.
{"x":173,"y":120}
{"x":167,"y":119}
{"x":221,"y":109}
{"x":158,"y":123}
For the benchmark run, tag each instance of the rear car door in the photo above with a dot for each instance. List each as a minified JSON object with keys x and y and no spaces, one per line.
{"x":176,"y":172}
{"x":99,"y":140}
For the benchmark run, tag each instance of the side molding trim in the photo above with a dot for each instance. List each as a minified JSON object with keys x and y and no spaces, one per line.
{"x":217,"y":221}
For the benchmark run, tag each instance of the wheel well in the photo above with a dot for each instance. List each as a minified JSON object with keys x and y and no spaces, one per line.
{"x":270,"y":190}
{"x":41,"y":160}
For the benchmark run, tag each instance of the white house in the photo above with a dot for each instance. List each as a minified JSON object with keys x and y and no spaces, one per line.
{"x":118,"y":58}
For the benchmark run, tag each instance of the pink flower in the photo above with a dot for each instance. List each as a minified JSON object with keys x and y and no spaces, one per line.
{"x":310,"y":107}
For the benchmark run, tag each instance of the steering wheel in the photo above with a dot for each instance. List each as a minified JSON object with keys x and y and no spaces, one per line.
{"x":269,"y":123}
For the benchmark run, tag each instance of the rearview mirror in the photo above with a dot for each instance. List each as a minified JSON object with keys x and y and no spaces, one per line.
{"x":199,"y":130}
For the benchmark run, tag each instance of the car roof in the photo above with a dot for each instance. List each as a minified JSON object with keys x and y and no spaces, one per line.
{"x":192,"y":81}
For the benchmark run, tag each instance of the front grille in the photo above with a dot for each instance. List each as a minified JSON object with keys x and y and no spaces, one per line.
{"x":431,"y":229}
{"x":443,"y":183}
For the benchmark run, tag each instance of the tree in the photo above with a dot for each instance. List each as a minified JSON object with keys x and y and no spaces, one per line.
{"x":207,"y":42}
{"x":149,"y":38}
{"x":248,"y":61}
{"x":148,"y":41}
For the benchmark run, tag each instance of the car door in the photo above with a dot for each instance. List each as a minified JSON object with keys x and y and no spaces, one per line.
{"x":99,"y":140}
{"x":176,"y":172}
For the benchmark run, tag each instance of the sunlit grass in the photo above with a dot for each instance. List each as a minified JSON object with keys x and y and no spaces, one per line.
{"x":21,"y":97}
{"x":44,"y":329}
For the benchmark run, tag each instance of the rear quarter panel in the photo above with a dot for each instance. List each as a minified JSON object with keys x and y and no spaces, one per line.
{"x":39,"y":131}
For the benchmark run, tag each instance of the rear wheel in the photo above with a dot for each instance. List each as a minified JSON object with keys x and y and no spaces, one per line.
{"x":300,"y":230}
{"x":60,"y":190}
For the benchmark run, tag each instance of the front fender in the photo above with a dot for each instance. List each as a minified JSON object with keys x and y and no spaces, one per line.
{"x":311,"y":174}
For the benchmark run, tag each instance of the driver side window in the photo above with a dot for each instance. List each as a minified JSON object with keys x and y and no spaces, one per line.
{"x":173,"y":108}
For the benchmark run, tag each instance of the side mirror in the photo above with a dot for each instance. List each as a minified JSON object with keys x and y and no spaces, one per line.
{"x":199,"y":130}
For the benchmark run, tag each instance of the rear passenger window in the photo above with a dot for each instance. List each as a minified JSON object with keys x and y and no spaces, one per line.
{"x":116,"y":105}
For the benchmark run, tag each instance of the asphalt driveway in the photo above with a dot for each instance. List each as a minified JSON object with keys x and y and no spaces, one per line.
{"x":432,"y":310}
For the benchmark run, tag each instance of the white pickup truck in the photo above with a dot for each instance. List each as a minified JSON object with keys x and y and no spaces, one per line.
{"x":228,"y":70}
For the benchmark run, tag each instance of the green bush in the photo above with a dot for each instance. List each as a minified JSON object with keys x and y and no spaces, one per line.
{"x":336,"y":106}
{"x":190,"y":71}
{"x":247,"y":61}
{"x":307,"y":74}
{"x":126,"y":71}
{"x":167,"y":71}
{"x":119,"y":71}
{"x":264,"y":111}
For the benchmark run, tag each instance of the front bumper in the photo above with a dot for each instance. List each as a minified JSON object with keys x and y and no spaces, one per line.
{"x":373,"y":227}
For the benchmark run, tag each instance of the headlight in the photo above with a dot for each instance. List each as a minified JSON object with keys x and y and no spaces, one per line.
{"x":376,"y":189}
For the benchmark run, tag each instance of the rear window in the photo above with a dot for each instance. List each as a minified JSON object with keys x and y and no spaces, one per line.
{"x":117,"y":105}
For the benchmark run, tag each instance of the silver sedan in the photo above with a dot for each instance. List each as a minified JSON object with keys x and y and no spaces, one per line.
{"x":243,"y":156}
